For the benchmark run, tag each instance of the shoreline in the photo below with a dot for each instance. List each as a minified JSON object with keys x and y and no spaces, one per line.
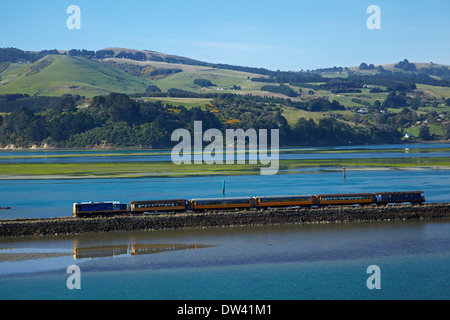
{"x":12,"y":147}
{"x":70,"y":225}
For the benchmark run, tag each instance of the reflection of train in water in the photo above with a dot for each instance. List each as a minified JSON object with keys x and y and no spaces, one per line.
{"x":179,"y":205}
{"x":115,"y":250}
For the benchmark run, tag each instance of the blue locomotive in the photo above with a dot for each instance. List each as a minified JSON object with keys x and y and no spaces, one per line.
{"x":99,"y":208}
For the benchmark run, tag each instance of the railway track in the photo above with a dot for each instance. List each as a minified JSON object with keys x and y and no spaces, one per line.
{"x":71,"y":225}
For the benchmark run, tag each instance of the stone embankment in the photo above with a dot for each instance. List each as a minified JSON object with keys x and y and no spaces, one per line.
{"x":69,"y":225}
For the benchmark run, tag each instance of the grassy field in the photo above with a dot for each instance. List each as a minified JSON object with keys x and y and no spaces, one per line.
{"x":292,"y":115}
{"x":222,"y":79}
{"x":186,"y":102}
{"x":58,"y":75}
{"x":122,"y":169}
{"x":434,"y":129}
{"x":436,"y":90}
{"x":168,"y":169}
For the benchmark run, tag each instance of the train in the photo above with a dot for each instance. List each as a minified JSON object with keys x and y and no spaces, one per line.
{"x":104,"y":208}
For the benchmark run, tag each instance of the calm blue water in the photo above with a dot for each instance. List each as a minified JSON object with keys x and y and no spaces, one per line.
{"x":273,"y":262}
{"x":278,"y":262}
{"x":54,"y":198}
{"x":80,"y":156}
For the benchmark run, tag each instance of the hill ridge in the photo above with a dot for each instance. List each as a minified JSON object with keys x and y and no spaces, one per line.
{"x":131,"y":71}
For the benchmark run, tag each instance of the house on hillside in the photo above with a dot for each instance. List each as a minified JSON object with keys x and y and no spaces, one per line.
{"x":363,"y":111}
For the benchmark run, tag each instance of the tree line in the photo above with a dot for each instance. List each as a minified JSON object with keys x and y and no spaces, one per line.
{"x":12,"y":102}
{"x":283,"y":89}
{"x":16,"y":55}
{"x":117,"y":120}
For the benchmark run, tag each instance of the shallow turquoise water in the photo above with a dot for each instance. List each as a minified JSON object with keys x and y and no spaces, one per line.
{"x":277,"y":262}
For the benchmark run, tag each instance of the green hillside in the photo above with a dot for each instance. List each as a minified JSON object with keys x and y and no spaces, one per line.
{"x":222,"y":79}
{"x":55,"y":75}
{"x":409,"y":100}
{"x":89,"y":73}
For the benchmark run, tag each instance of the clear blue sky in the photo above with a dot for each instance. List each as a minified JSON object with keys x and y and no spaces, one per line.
{"x":274,"y":34}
